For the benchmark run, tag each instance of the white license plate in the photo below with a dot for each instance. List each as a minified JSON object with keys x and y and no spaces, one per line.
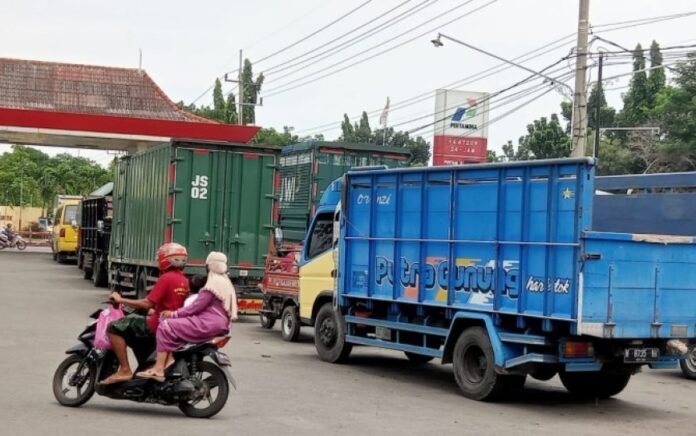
{"x":243,"y":273}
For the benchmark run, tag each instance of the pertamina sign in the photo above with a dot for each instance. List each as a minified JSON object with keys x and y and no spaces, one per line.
{"x":461,"y":131}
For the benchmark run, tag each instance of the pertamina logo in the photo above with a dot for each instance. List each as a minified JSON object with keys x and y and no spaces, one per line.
{"x":462,"y":114}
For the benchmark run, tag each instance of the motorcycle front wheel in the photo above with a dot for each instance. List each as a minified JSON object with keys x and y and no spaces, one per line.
{"x":21,"y":245}
{"x":73,"y":381}
{"x":212,"y":390}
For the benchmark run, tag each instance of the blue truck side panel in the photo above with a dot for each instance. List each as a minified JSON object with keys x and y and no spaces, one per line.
{"x":510,"y":240}
{"x":637,"y":287}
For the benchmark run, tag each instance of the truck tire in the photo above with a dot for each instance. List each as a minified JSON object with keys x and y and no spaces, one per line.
{"x":688,"y":363}
{"x":100,"y":277}
{"x":418,"y":359}
{"x":474,"y":368}
{"x":290,"y":324}
{"x":330,"y":335}
{"x":599,"y":384}
{"x":87,"y":271}
{"x":266,"y":321}
{"x":80,"y":260}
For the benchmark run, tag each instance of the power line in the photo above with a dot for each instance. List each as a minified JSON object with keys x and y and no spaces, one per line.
{"x":321,"y":29}
{"x":275,"y":32}
{"x":284,"y":65}
{"x":525,"y":57}
{"x":284,"y":88}
{"x":609,"y":27}
{"x":494,"y":94}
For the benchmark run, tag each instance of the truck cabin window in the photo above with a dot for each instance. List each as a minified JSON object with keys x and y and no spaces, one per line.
{"x":322,"y":235}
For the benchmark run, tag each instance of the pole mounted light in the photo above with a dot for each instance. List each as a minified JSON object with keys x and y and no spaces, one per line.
{"x":437,"y":42}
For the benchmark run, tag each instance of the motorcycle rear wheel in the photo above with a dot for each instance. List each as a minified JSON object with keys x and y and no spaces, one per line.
{"x":212,"y":384}
{"x":63,"y":383}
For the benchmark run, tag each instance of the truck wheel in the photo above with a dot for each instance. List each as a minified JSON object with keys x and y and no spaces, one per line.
{"x":100,"y":278}
{"x":474,"y":367}
{"x":266,"y":321}
{"x":80,"y":260}
{"x":688,"y":363}
{"x":594,"y":384}
{"x":418,"y":359}
{"x":330,"y":335}
{"x":87,"y":271}
{"x":290,"y":324}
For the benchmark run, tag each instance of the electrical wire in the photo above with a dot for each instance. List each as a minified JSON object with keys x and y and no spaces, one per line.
{"x":275,"y":32}
{"x":284,"y":65}
{"x":321,"y":29}
{"x":289,"y":86}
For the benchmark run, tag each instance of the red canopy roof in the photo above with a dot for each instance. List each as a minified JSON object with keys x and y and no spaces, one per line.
{"x":121,"y":102}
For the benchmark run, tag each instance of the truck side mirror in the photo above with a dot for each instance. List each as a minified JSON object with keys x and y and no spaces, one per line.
{"x":73,"y":223}
{"x":278,"y":237}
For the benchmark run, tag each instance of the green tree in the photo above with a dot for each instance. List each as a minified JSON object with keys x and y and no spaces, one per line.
{"x":31,"y":175}
{"x":231,"y":116}
{"x":272,"y":137}
{"x":252,"y":88}
{"x":363,"y":132}
{"x":656,"y":78}
{"x":219,"y":106}
{"x":606,"y":112}
{"x":347,"y":130}
{"x":545,"y":139}
{"x":637,"y":99}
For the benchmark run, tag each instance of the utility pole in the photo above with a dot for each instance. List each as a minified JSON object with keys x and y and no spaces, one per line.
{"x":21,"y":198}
{"x":579,"y":123}
{"x":598,"y":107}
{"x":241,"y":90}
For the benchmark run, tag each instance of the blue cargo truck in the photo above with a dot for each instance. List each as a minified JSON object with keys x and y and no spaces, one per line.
{"x":497,"y":269}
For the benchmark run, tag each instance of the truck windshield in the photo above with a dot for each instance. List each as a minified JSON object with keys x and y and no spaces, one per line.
{"x":321,"y":236}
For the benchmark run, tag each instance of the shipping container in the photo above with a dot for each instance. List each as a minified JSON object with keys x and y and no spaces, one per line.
{"x":94,"y":235}
{"x":307,"y":168}
{"x":497,"y":269}
{"x":206,"y":196}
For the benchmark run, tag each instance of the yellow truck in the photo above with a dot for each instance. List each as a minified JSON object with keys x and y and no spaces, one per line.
{"x":65,"y":228}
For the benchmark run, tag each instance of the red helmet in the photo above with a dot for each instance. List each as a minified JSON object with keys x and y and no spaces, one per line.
{"x":171,"y":255}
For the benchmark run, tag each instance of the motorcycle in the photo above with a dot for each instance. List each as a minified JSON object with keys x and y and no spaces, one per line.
{"x":197,"y":382}
{"x":13,"y":240}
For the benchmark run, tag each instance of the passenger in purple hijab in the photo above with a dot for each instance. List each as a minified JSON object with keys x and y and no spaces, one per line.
{"x":208,"y":316}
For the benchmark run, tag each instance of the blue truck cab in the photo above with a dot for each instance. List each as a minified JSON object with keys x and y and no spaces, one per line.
{"x":498,"y":269}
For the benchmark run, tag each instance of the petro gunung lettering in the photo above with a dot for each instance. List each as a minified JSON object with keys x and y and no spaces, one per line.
{"x":469,"y":277}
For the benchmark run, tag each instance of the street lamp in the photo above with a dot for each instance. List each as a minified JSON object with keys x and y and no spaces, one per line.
{"x":437,"y":42}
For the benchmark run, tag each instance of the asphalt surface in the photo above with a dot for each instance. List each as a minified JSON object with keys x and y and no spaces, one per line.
{"x":285,"y":389}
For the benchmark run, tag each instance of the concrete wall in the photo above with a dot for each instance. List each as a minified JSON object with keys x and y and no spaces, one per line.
{"x":11,"y":214}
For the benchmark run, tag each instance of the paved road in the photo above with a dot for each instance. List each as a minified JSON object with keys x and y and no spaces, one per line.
{"x":285,"y":389}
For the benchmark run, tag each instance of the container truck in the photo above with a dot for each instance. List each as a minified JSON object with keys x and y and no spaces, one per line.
{"x":207,"y":196}
{"x":94,"y":234}
{"x":306,"y":170}
{"x":498,"y":270}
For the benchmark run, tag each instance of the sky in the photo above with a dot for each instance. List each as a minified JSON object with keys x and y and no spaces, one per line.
{"x":186,"y":45}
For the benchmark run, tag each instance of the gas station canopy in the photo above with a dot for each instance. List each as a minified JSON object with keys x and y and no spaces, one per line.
{"x":72,"y":105}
